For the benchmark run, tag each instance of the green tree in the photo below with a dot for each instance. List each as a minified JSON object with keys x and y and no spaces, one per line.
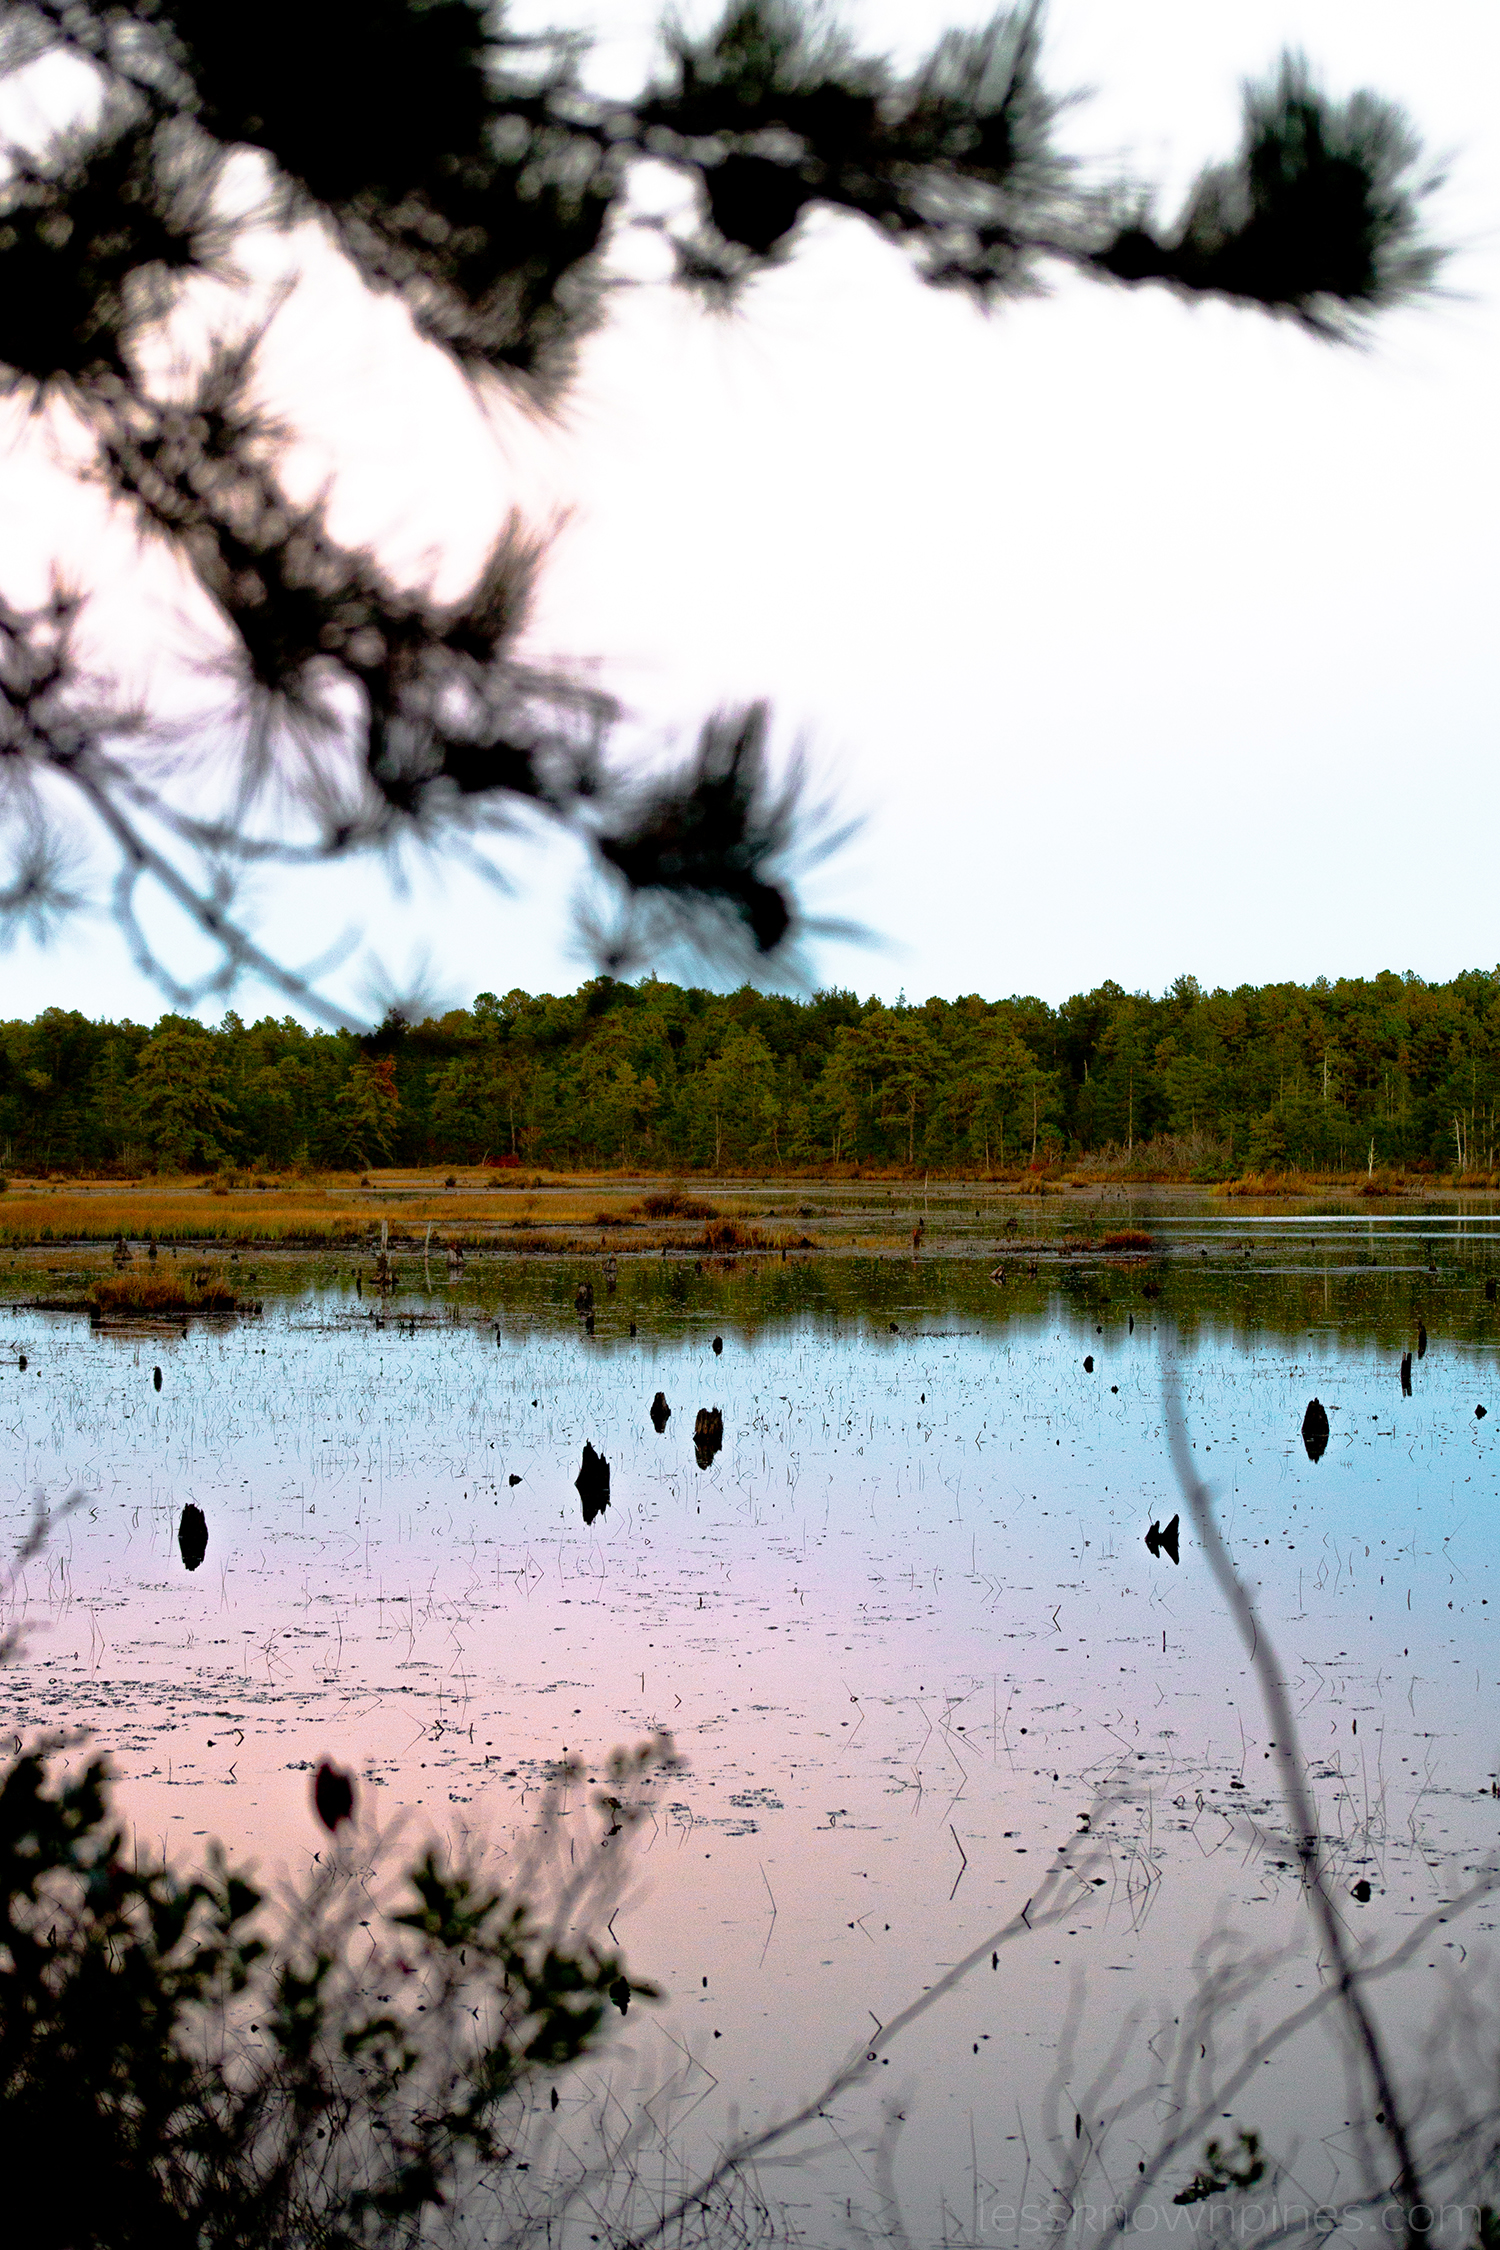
{"x":180,"y":1090}
{"x":1011,"y":1094}
{"x":880,"y":1080}
{"x":737,"y":1094}
{"x":367,"y":1111}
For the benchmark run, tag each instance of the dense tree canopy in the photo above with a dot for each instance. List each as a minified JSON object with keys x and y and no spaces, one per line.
{"x":1381,"y":1071}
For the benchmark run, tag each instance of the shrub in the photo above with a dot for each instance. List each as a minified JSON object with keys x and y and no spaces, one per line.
{"x":728,"y":1234}
{"x":183,"y":2065}
{"x":673,"y":1203}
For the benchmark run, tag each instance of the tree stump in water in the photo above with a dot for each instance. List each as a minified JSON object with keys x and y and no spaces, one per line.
{"x":192,"y":1536}
{"x":333,"y":1796}
{"x":708,"y":1435}
{"x":592,"y":1484}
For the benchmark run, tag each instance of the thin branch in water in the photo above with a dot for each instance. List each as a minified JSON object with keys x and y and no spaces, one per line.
{"x":1292,"y":1770}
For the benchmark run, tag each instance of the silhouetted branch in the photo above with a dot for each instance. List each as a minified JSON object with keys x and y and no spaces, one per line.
{"x":472,"y":173}
{"x":1291,"y":1767}
{"x":1063,"y":1888}
{"x":1319,"y":215}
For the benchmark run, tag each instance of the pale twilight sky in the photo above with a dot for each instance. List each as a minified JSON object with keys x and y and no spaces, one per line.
{"x":1146,"y":638}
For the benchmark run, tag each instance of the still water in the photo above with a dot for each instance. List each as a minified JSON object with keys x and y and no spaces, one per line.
{"x":904,"y":1630}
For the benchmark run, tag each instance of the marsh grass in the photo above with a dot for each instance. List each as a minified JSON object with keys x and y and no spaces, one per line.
{"x":300,"y":1218}
{"x":338,"y":1213}
{"x":729,"y":1234}
{"x":204,"y":1289}
{"x":303,"y":1215}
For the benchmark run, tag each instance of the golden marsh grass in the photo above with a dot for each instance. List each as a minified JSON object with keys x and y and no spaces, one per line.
{"x":340,"y":1212}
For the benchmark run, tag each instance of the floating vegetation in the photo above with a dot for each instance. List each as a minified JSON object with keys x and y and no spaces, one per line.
{"x":674,"y":1203}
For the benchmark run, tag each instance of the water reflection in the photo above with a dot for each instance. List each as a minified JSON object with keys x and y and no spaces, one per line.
{"x":894,"y":1608}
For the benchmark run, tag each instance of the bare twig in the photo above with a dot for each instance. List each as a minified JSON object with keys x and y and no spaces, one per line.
{"x":1292,"y":1770}
{"x":1061,"y":1891}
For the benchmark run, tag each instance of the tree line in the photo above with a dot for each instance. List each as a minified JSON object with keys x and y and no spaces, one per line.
{"x":1355,"y":1074}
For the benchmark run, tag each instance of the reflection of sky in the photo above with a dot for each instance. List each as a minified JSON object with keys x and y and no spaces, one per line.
{"x":902,"y":1632}
{"x":1168,"y":598}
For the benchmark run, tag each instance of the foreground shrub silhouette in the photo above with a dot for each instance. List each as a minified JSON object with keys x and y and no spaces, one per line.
{"x":184,"y":2061}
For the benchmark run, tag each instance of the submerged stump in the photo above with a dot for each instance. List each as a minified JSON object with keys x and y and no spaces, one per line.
{"x":708,"y":1435}
{"x":1315,"y":1429}
{"x":592,"y":1484}
{"x":192,"y":1536}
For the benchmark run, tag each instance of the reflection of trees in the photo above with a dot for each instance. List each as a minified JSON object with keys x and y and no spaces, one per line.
{"x":1205,"y":1310}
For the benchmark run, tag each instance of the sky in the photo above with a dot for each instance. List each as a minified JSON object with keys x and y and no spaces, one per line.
{"x":1140,"y":638}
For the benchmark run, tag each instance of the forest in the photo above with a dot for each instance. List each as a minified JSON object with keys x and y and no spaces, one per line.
{"x":1357,"y":1075}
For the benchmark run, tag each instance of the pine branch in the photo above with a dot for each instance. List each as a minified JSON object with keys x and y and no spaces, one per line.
{"x":474,"y":175}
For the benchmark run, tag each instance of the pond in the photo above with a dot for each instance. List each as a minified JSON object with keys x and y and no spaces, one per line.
{"x":903,"y":1627}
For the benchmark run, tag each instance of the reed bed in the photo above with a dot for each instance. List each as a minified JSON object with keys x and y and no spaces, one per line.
{"x":147,"y":1296}
{"x":175,"y":1216}
{"x":338,"y":1214}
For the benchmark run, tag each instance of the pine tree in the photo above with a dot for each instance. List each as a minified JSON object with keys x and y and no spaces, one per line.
{"x":470,"y":173}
